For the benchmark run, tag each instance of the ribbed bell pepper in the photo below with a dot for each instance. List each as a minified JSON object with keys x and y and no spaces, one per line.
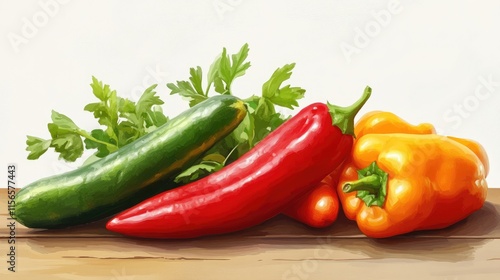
{"x":396,"y":183}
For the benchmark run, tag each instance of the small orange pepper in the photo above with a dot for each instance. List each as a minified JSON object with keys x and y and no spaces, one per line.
{"x":319,"y":207}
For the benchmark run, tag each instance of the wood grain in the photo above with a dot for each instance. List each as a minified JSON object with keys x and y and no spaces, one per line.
{"x":278,"y":249}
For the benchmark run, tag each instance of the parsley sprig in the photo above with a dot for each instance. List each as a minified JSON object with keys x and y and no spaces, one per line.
{"x":261,"y":119}
{"x":122,"y":122}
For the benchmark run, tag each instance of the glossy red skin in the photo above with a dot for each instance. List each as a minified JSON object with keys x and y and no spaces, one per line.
{"x":283,"y":166}
{"x":318,"y":207}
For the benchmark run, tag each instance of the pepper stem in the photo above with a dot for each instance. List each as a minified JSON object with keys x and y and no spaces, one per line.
{"x":371,"y":186}
{"x":343,"y":117}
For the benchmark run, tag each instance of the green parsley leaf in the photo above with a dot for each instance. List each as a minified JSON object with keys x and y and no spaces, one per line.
{"x":192,"y":89}
{"x":63,"y":123}
{"x":105,"y":111}
{"x":231,"y":67}
{"x":265,"y":109}
{"x":221,"y":75}
{"x":100,"y":91}
{"x":144,"y":110}
{"x":155,"y":118}
{"x":68,"y":145}
{"x":213,"y":77}
{"x":102,"y":149}
{"x":209,"y":164}
{"x":282,"y":96}
{"x":244,"y":131}
{"x":186,"y":89}
{"x":36,"y":146}
{"x":66,"y":138}
{"x":196,"y":79}
{"x":127,"y":133}
{"x":147,"y":101}
{"x":197,"y":172}
{"x":125,"y":106}
{"x":124,"y":122}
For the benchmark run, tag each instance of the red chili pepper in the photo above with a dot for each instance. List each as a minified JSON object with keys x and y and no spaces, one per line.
{"x":256,"y":187}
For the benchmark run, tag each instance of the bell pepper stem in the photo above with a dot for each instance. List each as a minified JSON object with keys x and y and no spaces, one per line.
{"x":369,"y":183}
{"x":343,"y":117}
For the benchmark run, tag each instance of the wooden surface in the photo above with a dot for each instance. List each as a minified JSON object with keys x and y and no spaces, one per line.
{"x":278,"y":249}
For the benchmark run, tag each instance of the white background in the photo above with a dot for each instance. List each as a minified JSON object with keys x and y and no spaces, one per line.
{"x":423,"y":63}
